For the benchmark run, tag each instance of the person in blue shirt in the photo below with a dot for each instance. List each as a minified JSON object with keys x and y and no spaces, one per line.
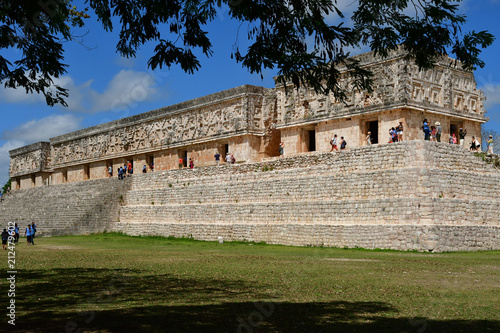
{"x":33,"y":232}
{"x":27,"y":233}
{"x":16,"y":230}
{"x":427,"y":132}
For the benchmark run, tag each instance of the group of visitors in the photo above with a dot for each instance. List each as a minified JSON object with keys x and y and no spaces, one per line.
{"x":151,"y":167}
{"x":229,"y":158}
{"x":30,"y":233}
{"x":334,"y":143}
{"x":395,"y":134}
{"x":126,"y":170}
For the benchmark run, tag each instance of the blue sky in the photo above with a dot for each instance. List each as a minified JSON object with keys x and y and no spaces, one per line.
{"x":104,"y":86}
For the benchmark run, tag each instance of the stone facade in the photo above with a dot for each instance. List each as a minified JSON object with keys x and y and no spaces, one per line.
{"x":412,"y":195}
{"x":250,"y":122}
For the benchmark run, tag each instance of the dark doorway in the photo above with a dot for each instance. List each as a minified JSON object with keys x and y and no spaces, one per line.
{"x":454,"y":129}
{"x":151,"y":162}
{"x":183,"y":155}
{"x":312,"y":140}
{"x":373,"y":128}
{"x":86,"y":172}
{"x":225,"y":152}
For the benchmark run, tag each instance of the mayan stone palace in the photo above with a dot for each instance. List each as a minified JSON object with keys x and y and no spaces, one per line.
{"x":410,"y":195}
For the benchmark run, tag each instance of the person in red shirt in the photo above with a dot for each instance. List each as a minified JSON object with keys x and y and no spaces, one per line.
{"x":129,"y":168}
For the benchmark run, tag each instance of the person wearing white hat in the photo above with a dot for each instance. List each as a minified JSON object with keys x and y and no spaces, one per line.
{"x":490,"y":144}
{"x":438,"y":131}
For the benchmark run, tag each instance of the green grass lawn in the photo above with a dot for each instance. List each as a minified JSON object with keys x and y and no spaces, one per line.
{"x":116,"y":283}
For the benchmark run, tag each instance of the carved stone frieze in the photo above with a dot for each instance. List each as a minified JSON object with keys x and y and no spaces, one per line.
{"x":243,"y":112}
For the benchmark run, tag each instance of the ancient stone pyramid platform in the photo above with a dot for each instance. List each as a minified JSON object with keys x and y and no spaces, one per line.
{"x":412,"y":196}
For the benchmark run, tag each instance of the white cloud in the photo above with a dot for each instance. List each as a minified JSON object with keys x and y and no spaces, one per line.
{"x":124,"y":91}
{"x":43,"y":129}
{"x":492,"y":93}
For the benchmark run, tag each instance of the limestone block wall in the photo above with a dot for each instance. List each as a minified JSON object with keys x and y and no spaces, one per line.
{"x":412,"y":195}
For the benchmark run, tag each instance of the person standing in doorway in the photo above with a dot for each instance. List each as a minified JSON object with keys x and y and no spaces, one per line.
{"x":191,"y":163}
{"x":110,"y":171}
{"x":181,"y":162}
{"x":369,"y":138}
{"x":217,"y":158}
{"x":228,"y":158}
{"x":439,"y":130}
{"x":461,"y":135}
{"x":129,"y":168}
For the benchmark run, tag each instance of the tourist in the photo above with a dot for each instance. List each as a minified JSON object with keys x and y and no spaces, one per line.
{"x":181,"y":162}
{"x":490,"y":144}
{"x":33,"y":232}
{"x":12,"y":234}
{"x":333,"y":142}
{"x":399,"y":130}
{"x":454,"y":139}
{"x":130,"y":169}
{"x":1,"y":196}
{"x":110,"y":171}
{"x":16,"y":230}
{"x":27,"y":233}
{"x":474,"y":145}
{"x":425,"y":128}
{"x":433,"y":133}
{"x":152,"y":166}
{"x":369,"y":138}
{"x":343,"y":143}
{"x":282,"y":149}
{"x":439,"y":130}
{"x":5,"y":237}
{"x":228,"y":158}
{"x":217,"y":158}
{"x":191,"y":163}
{"x":233,"y":160}
{"x":144,"y":170}
{"x":394,"y":135}
{"x":461,"y":134}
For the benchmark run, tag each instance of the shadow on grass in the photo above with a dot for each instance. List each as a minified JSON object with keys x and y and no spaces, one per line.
{"x":122,"y":300}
